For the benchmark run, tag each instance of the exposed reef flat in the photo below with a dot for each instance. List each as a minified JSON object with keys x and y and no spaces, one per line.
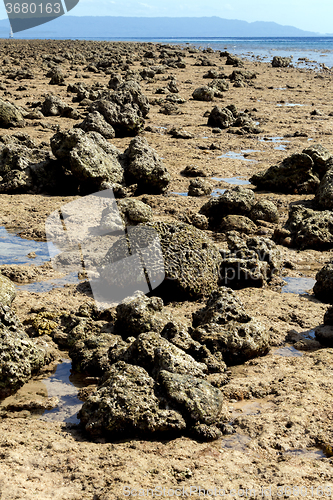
{"x":224,"y":379}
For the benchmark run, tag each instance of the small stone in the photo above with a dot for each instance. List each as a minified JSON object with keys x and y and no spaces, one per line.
{"x":281,"y":62}
{"x":323,"y":288}
{"x":203,"y":93}
{"x":238,"y":223}
{"x":7,"y":291}
{"x":264,"y":210}
{"x":204,"y":432}
{"x":193,"y":171}
{"x":199,"y":187}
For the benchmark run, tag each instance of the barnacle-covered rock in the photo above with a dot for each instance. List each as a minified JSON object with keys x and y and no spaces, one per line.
{"x":225,"y":328}
{"x":91,"y":159}
{"x":10,"y":115}
{"x":281,"y":62}
{"x":323,"y":288}
{"x":310,"y":228}
{"x":57,"y":76}
{"x":88,"y":336}
{"x":298,"y":173}
{"x":264,"y":210}
{"x":126,"y":404}
{"x":191,"y":260}
{"x":324,"y":196}
{"x":238,"y":223}
{"x":321,"y":158}
{"x":141,"y":314}
{"x":203,"y":93}
{"x":236,"y":201}
{"x":145,"y":168}
{"x":26,"y":168}
{"x":54,"y":106}
{"x":219,"y":85}
{"x":233,"y":60}
{"x":249,"y":262}
{"x":134,"y":211}
{"x":221,"y":118}
{"x":197,"y":399}
{"x":95,"y":122}
{"x":124,"y":108}
{"x":199,"y":187}
{"x":223,"y":306}
{"x":20,"y":357}
{"x":155,"y":353}
{"x":7,"y":291}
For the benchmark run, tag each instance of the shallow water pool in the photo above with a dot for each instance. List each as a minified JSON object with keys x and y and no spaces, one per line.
{"x":58,"y":391}
{"x":237,"y":442}
{"x":290,"y":104}
{"x":298,"y":285}
{"x":272,"y":139}
{"x":232,"y":180}
{"x":288,"y":351}
{"x":218,"y":192}
{"x":14,"y":250}
{"x":236,"y":156}
{"x":306,"y":453}
{"x":65,"y":386}
{"x":48,"y":285}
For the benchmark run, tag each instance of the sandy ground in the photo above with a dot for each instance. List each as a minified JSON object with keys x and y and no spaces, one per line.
{"x":280,"y":405}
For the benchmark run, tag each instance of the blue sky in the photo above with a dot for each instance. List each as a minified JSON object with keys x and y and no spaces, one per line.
{"x":304,"y":14}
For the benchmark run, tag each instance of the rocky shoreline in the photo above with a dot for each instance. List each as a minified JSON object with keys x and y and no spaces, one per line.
{"x":218,"y":378}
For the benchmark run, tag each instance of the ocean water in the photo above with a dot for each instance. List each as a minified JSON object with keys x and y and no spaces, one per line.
{"x":317,"y":50}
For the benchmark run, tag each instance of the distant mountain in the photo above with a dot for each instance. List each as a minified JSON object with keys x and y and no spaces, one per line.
{"x":154,"y":27}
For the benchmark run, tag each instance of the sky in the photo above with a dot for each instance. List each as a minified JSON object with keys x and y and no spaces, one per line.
{"x":308,"y":15}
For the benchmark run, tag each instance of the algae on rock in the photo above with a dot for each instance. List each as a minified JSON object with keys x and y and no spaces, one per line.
{"x":20,"y":357}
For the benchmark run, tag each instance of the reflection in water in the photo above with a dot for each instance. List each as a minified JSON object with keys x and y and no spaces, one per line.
{"x":232,"y":180}
{"x":218,"y":192}
{"x":58,"y":392}
{"x":47,"y":286}
{"x":288,"y":351}
{"x":63,"y":385}
{"x":14,"y":250}
{"x":298,"y":285}
{"x":236,"y":156}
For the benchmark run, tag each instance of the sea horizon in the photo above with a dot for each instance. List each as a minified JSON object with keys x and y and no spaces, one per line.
{"x":312,"y":52}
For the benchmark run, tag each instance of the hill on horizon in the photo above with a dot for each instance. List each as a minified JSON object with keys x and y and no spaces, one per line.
{"x":154,"y":27}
